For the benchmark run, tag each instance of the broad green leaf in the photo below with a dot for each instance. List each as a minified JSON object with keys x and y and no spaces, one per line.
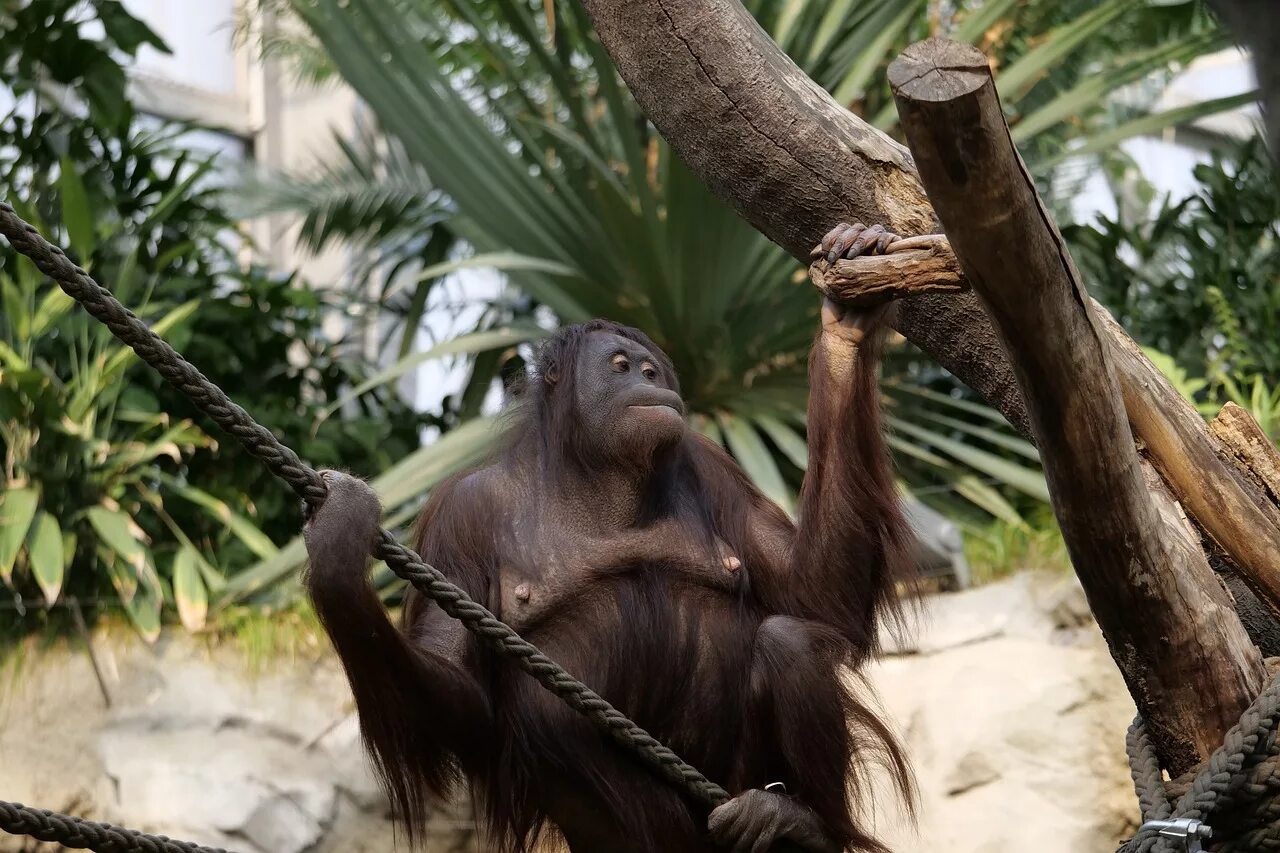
{"x":787,"y":19}
{"x":122,"y":535}
{"x":1108,"y":139}
{"x":967,"y":486}
{"x":401,"y":487}
{"x":188,"y":589}
{"x":1096,"y":88}
{"x":832,"y":20}
{"x":412,"y":477}
{"x":133,"y":577}
{"x":871,"y":57}
{"x":707,"y":426}
{"x":77,"y":215}
{"x":1017,"y":79}
{"x":1004,"y":440}
{"x":946,"y":400}
{"x":47,"y":559}
{"x":1026,"y":480}
{"x":242,"y":528}
{"x":123,"y":576}
{"x":9,"y":358}
{"x":69,"y":542}
{"x":463,"y":344}
{"x":745,"y":445}
{"x":978,"y":21}
{"x":213,"y":579}
{"x":16,"y":312}
{"x":182,"y":190}
{"x":787,"y":439}
{"x":986,"y":497}
{"x":253,"y":580}
{"x":53,"y":307}
{"x":17,"y":509}
{"x":144,"y":611}
{"x":505,"y":261}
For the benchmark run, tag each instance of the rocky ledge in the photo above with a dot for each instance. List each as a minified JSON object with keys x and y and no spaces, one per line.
{"x":1006,"y":698}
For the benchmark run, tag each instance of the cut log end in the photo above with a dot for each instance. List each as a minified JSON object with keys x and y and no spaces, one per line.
{"x":938,"y":70}
{"x":1252,"y":451}
{"x":913,"y":266}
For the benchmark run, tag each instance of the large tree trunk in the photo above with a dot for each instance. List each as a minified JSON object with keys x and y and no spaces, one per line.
{"x":771,"y":143}
{"x":1159,"y":604}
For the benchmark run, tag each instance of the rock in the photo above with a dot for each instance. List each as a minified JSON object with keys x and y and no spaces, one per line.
{"x":1064,"y":603}
{"x":281,"y":825}
{"x":1016,"y":738}
{"x":200,"y":748}
{"x":973,"y":770}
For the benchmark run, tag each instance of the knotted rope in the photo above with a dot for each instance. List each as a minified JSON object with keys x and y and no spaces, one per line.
{"x":285,"y":464}
{"x":1236,"y":792}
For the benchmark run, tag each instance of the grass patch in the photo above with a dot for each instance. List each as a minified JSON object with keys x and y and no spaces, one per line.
{"x":1000,"y":549}
{"x":270,"y":635}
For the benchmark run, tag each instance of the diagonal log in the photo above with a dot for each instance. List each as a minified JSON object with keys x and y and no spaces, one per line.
{"x":791,"y":161}
{"x":1186,"y":658}
{"x":1199,"y":465}
{"x":770,"y":142}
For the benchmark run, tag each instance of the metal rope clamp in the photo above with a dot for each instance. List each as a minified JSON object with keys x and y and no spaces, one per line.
{"x":1187,"y":830}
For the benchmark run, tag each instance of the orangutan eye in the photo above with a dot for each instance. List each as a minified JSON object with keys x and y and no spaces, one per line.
{"x":649,"y":372}
{"x":620,"y":364}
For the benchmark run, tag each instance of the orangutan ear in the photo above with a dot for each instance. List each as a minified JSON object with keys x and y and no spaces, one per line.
{"x":552,"y":376}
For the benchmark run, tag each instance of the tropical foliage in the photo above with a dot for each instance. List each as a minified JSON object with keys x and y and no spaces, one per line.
{"x":1198,"y":279}
{"x":111,"y":490}
{"x":513,"y":112}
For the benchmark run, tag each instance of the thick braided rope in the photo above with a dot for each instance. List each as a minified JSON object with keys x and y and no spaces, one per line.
{"x":79,"y":834}
{"x":284,"y":463}
{"x":1144,"y":768}
{"x":1241,"y":771}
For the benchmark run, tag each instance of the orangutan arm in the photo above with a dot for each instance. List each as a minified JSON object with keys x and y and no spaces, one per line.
{"x":841,"y":563}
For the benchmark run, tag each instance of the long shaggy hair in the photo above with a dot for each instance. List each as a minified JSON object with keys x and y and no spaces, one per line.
{"x":751,"y":689}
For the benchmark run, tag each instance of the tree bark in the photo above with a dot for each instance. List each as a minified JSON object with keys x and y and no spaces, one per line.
{"x":911,"y":267}
{"x":770,"y":142}
{"x":1197,"y":467}
{"x":1186,"y":658}
{"x":1251,"y":450}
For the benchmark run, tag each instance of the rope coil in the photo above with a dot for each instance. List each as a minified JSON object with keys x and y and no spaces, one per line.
{"x":1237,"y":790}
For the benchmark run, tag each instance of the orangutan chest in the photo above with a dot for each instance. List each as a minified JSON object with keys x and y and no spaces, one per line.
{"x":534,"y":594}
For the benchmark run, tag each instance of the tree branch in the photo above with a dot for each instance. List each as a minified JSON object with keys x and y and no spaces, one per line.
{"x":770,"y":142}
{"x":911,"y":267}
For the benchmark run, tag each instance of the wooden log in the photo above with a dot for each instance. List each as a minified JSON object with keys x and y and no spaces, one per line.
{"x":1194,"y":462}
{"x":1186,"y":658}
{"x":1250,"y":448}
{"x":1197,"y":467}
{"x":770,"y":142}
{"x":911,"y":267}
{"x":774,"y":145}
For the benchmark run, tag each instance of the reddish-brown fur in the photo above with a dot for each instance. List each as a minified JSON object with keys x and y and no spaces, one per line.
{"x":738,"y":671}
